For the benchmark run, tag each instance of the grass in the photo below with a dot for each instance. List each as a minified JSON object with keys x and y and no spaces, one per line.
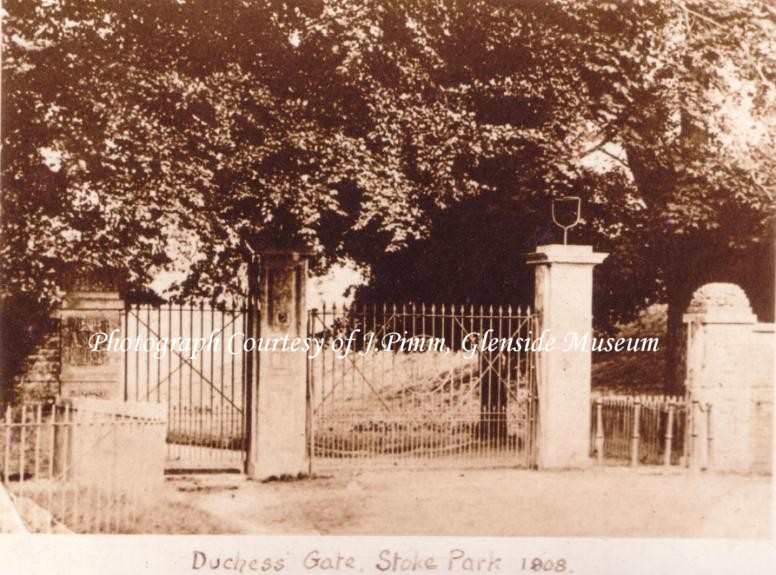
{"x":634,"y":372}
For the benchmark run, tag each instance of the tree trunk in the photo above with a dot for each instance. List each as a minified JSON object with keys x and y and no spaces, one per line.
{"x":679,"y":288}
{"x":674,"y":369}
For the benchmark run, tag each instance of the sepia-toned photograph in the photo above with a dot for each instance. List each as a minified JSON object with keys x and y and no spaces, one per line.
{"x":467,"y":269}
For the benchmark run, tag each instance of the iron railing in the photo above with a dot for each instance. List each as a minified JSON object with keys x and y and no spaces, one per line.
{"x":63,"y":468}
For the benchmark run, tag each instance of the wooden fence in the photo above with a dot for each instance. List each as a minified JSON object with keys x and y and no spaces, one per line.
{"x":642,"y":430}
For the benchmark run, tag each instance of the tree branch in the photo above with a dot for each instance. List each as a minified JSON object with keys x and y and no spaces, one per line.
{"x":687,"y":10}
{"x":617,"y":159}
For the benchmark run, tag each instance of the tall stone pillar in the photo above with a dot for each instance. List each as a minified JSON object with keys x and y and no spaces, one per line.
{"x":84,"y":373}
{"x":719,"y":362}
{"x":564,"y":297}
{"x":278,"y":444}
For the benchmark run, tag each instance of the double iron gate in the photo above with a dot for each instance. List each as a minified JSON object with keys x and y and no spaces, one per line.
{"x":423,"y":385}
{"x":418,"y":384}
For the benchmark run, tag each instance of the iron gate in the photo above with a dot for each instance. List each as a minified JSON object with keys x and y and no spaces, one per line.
{"x":423,"y":384}
{"x":205,"y":392}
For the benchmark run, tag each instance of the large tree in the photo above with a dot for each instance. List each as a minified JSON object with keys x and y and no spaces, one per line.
{"x":136,"y":132}
{"x":659,"y":114}
{"x":686,"y":91}
{"x":133,"y":132}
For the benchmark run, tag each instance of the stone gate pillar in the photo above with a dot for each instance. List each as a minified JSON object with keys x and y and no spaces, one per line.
{"x":564,"y":297}
{"x":720,"y":364}
{"x":279,"y":412}
{"x":84,"y":373}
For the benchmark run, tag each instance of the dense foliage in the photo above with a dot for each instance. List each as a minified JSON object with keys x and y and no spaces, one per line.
{"x":422,"y":140}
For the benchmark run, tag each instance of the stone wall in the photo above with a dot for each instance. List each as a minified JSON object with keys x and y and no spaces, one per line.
{"x":40,"y":378}
{"x":62,"y":364}
{"x":761,"y":366}
{"x":730,"y":358}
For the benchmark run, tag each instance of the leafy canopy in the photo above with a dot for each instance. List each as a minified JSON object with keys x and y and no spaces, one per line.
{"x":137,"y":132}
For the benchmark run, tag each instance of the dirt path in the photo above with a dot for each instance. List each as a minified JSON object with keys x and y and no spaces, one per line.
{"x":609,"y":502}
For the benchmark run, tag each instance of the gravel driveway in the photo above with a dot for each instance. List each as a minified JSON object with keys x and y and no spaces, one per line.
{"x":600,"y":502}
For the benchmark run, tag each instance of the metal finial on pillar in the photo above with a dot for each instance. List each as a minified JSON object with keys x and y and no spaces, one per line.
{"x":573,"y":209}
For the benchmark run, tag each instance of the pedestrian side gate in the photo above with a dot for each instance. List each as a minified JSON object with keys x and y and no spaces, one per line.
{"x":205,"y":393}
